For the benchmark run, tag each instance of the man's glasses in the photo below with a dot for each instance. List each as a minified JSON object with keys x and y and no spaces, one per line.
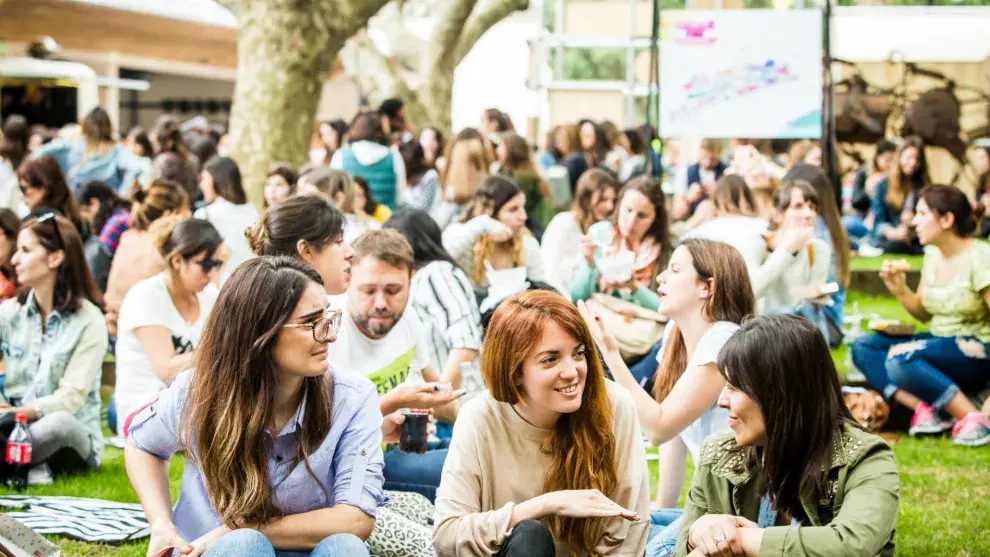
{"x":322,"y":327}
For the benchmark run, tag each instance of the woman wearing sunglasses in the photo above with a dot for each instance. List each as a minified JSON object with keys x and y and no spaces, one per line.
{"x":162,"y":317}
{"x":285,"y":455}
{"x":53,"y":339}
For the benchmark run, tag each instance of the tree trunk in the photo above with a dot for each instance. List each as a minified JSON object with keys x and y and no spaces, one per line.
{"x":285,"y":50}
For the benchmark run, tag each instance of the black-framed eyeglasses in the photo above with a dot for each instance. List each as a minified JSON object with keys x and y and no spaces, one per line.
{"x":208,"y":265}
{"x":322,"y":327}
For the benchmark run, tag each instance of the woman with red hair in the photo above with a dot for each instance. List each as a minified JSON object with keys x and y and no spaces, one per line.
{"x":553,"y":453}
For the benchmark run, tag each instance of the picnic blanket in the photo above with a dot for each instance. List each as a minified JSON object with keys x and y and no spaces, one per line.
{"x":88,"y":520}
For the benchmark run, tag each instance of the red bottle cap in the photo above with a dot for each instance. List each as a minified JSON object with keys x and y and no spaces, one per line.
{"x":21,"y":418}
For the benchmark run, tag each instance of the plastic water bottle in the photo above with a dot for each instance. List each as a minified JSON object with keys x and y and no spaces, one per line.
{"x":18,"y":454}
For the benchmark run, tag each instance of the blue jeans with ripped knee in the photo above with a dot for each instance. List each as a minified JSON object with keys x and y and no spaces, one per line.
{"x":931,"y":368}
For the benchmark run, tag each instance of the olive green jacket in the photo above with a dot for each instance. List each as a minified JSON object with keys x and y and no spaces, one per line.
{"x":857,"y":518}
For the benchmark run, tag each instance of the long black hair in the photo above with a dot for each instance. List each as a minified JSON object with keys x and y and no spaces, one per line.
{"x":782,"y":363}
{"x":226,"y":179}
{"x":423,"y":234}
{"x":108,"y":198}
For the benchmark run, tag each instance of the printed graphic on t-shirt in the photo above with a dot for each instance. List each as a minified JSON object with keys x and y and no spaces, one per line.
{"x":181,"y":345}
{"x":393,"y":374}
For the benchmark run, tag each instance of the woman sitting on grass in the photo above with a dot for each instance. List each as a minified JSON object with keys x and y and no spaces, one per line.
{"x":162,"y":317}
{"x":706,"y":294}
{"x":53,"y":339}
{"x":284,"y":451}
{"x":639,"y":225}
{"x":553,"y":453}
{"x":796,"y":476}
{"x":933,"y":372}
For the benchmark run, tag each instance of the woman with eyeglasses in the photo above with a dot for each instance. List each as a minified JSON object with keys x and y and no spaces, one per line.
{"x":162,"y":317}
{"x":285,"y":451}
{"x":53,"y":339}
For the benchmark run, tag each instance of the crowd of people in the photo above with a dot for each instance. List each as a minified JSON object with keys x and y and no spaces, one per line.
{"x":547,"y":307}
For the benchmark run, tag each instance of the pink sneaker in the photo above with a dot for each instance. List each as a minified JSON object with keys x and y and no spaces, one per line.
{"x":972,"y":431}
{"x":926,"y":421}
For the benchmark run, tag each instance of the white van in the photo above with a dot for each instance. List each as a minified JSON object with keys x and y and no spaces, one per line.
{"x":49,"y":92}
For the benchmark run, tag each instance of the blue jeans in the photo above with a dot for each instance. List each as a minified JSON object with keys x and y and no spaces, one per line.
{"x":419,"y":473}
{"x":252,"y":543}
{"x":665,"y":525}
{"x":855,"y":226}
{"x":112,"y":414}
{"x":647,"y":366}
{"x":934,"y":369}
{"x":828,"y":322}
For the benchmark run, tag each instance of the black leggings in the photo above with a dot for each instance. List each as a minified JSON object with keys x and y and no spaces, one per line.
{"x":530,"y":538}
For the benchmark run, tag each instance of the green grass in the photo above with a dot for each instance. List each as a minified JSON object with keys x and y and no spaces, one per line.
{"x":874,"y":263}
{"x":945,"y":495}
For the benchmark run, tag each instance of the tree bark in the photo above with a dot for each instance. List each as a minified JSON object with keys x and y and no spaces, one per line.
{"x":428,"y":91}
{"x":285,"y":50}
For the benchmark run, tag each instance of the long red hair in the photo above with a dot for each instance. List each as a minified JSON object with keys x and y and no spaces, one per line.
{"x":582,"y":445}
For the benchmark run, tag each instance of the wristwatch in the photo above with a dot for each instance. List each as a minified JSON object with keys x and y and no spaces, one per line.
{"x":39,"y":411}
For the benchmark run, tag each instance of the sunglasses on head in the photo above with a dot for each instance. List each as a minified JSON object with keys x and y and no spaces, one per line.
{"x":50,"y":217}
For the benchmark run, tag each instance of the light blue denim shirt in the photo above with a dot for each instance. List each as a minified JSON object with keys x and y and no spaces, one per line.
{"x":349,"y":462}
{"x":58,"y":370}
{"x":118,"y":168}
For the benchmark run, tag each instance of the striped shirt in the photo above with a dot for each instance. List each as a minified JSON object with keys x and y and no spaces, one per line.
{"x":444,"y":300}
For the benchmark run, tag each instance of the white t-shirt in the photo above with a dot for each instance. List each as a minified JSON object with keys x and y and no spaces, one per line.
{"x":148,"y":303}
{"x":715,"y":419}
{"x":561,"y":251}
{"x":231,"y":221}
{"x":398,"y":357}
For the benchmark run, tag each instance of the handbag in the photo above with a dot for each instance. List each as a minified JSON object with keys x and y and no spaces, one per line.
{"x":635,"y":328}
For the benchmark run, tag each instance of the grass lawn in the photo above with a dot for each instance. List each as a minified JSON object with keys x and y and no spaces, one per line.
{"x":945,"y":495}
{"x":874,"y":263}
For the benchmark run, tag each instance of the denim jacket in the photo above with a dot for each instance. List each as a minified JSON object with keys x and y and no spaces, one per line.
{"x":58,"y":370}
{"x":856,"y":518}
{"x":118,"y":168}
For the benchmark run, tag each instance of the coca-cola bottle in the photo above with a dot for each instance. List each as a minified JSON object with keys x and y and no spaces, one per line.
{"x":18,"y":454}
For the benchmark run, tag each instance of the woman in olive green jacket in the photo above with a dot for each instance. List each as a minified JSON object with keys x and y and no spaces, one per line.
{"x":796,"y":476}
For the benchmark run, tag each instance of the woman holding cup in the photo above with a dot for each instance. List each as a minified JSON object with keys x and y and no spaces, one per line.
{"x":624,"y":255}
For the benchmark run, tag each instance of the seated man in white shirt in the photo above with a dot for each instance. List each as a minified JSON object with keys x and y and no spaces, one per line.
{"x":382,"y":338}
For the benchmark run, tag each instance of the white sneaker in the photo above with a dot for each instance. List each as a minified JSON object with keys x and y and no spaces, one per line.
{"x":866,"y":250}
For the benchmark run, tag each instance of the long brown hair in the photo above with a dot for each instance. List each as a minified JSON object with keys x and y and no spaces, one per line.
{"x":591,"y":181}
{"x":45,"y":174}
{"x":466,"y":165}
{"x":732,"y":196}
{"x":730,"y":299}
{"x":582,"y":445}
{"x":829,"y":210}
{"x":898,"y":185}
{"x":73,"y":280}
{"x":230,"y":404}
{"x":660,"y":229}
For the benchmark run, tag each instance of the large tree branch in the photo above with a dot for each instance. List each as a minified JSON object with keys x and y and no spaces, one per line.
{"x":447,"y":33}
{"x":482,"y":22}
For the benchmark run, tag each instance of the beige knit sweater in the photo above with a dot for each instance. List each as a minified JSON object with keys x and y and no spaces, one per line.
{"x":495,"y":461}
